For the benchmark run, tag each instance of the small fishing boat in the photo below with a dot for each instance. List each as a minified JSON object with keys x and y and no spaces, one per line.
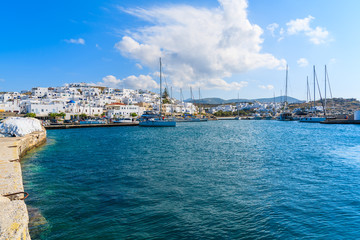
{"x":286,"y":116}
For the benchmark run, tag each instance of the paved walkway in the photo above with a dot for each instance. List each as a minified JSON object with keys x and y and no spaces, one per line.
{"x":14,"y":217}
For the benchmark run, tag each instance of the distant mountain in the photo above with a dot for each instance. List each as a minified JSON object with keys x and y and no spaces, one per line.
{"x":219,"y":101}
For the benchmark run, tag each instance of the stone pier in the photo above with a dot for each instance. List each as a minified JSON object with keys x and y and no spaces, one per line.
{"x":14,"y":217}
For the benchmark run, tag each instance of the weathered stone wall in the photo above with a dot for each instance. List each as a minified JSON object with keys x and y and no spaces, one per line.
{"x":14,"y":217}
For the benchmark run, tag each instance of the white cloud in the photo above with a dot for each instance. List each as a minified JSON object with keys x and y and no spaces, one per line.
{"x":299,"y":25}
{"x":76,"y":41}
{"x":140,"y":82}
{"x":316,"y":35}
{"x":2,"y":80}
{"x":332,"y":61}
{"x":302,"y":62}
{"x":267,"y":87}
{"x":97,"y":46}
{"x":139,"y":66}
{"x":272,"y":27}
{"x":132,"y":82}
{"x":110,"y":81}
{"x":198,"y":46}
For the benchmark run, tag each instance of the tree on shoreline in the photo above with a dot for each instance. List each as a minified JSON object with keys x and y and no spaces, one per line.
{"x":33,"y":115}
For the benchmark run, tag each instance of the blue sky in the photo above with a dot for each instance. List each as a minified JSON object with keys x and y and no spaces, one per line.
{"x":224,"y":47}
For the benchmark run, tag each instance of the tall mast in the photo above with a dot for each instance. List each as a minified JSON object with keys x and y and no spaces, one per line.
{"x":314,"y":90}
{"x":160,"y":91}
{"x":307,"y":89}
{"x":274,"y":104}
{"x":182,"y":100}
{"x":308,"y":94}
{"x":199,"y":102}
{"x":286,"y":85}
{"x":325,"y":93}
{"x":238,"y":105}
{"x":172,"y":110}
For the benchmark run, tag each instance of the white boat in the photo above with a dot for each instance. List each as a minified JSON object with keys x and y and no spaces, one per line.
{"x":123,"y":120}
{"x":153,"y":122}
{"x":257,"y":117}
{"x":312,"y":119}
{"x":316,"y":119}
{"x":149,"y":119}
{"x":93,"y":122}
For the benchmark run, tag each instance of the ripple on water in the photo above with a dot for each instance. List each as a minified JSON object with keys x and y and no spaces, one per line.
{"x":214,"y":180}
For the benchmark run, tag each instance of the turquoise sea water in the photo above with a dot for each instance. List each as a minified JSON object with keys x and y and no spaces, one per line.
{"x":213,"y":180}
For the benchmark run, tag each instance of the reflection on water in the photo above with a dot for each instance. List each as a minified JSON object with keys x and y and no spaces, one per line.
{"x":213,"y":180}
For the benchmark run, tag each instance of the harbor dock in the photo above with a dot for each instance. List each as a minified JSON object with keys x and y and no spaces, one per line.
{"x":14,"y":216}
{"x":341,"y":121}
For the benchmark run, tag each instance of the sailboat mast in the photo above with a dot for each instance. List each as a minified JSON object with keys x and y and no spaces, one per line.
{"x":286,"y":85}
{"x":274,"y":104}
{"x":172,"y":110}
{"x":199,"y":102}
{"x":307,"y":89}
{"x":314,"y":90}
{"x":238,"y":106}
{"x":160,"y":91}
{"x":325,"y":93}
{"x":308,"y":94}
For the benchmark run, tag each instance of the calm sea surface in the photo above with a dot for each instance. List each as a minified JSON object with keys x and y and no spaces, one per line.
{"x":212,"y":180}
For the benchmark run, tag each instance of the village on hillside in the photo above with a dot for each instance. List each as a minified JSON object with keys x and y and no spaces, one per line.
{"x":82,"y":100}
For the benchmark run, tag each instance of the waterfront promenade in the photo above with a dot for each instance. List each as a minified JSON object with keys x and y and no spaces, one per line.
{"x":14,"y":217}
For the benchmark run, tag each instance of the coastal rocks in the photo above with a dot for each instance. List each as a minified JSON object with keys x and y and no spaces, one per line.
{"x":37,"y":222}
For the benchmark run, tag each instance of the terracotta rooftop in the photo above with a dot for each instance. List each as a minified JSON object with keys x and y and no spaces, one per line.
{"x":116,"y":104}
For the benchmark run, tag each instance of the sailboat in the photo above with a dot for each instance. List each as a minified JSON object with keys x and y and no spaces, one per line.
{"x":149,"y":119}
{"x":285,"y":115}
{"x":316,"y":119}
{"x":238,"y":112}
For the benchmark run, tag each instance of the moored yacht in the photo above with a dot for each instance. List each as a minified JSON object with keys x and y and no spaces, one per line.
{"x":312,"y":119}
{"x":149,"y":119}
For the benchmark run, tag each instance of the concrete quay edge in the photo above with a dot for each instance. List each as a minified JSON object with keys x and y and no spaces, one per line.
{"x":14,"y":218}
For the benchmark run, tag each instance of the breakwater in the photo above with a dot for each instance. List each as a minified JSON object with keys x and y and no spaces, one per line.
{"x":14,"y":217}
{"x":67,"y":126}
{"x":341,"y":121}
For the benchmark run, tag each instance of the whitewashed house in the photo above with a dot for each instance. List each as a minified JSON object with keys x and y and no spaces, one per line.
{"x":118,"y":110}
{"x":39,"y":92}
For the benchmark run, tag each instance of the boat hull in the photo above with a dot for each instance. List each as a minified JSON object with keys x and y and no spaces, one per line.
{"x":312,"y":119}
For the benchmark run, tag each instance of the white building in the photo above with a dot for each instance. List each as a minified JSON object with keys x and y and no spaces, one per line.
{"x":44,"y":109}
{"x":118,"y":110}
{"x":9,"y":96}
{"x":73,"y":108}
{"x":39,"y":92}
{"x":10,"y":107}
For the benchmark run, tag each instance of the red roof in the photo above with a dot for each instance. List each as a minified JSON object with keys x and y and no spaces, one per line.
{"x":116,"y":104}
